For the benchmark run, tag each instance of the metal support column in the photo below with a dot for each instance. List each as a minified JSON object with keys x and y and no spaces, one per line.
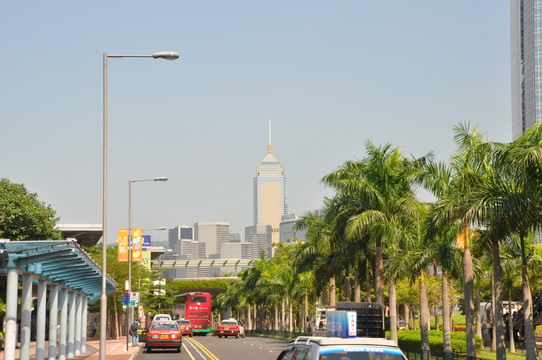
{"x":84,"y":324}
{"x":78,"y":316}
{"x":71,"y":324}
{"x":53,"y":321}
{"x":63,"y":325}
{"x":11,"y":314}
{"x":26,"y":316}
{"x":41,"y":319}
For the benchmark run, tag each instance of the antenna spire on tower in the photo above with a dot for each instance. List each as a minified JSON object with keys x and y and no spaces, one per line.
{"x":269,"y":144}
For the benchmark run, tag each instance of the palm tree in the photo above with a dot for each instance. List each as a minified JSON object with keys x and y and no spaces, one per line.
{"x":316,"y":254}
{"x":521,"y":205}
{"x":379,"y":186}
{"x":452,"y":186}
{"x":442,"y":249}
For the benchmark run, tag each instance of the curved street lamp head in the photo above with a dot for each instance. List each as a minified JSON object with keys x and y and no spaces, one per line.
{"x":161,"y":178}
{"x":168,"y":55}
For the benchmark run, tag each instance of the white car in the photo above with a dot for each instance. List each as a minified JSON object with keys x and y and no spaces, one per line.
{"x":230,"y":327}
{"x":331,"y":348}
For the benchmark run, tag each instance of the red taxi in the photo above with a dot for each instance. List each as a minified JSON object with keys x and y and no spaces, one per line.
{"x":164,"y":335}
{"x":185,"y":326}
{"x":230,"y":327}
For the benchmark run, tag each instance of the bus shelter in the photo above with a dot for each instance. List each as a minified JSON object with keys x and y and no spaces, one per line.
{"x":63,"y":279}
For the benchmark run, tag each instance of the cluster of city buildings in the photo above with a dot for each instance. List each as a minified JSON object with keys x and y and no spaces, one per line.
{"x":214,"y":240}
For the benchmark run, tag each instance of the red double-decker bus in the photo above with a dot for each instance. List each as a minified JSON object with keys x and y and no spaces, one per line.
{"x":198,"y":311}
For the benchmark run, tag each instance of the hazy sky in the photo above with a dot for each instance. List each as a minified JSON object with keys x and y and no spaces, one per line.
{"x":329,"y":74}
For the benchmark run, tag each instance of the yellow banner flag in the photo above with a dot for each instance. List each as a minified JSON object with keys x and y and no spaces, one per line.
{"x":146,"y":259}
{"x":122,"y":242}
{"x":137,"y":243}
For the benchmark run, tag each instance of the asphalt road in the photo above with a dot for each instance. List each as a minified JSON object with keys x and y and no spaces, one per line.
{"x":213,"y":348}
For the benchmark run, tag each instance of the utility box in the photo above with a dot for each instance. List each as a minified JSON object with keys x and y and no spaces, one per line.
{"x":370,"y":317}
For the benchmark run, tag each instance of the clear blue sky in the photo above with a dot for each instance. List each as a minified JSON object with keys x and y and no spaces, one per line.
{"x":330,"y":75}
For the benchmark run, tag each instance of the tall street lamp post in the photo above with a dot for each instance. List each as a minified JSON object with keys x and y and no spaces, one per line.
{"x":129,"y":313}
{"x":168,"y":55}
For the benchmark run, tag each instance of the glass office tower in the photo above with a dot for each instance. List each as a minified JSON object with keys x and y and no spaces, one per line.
{"x":526,"y":63}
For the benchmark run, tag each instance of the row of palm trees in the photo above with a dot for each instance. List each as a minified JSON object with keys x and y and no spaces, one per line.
{"x":376,"y":231}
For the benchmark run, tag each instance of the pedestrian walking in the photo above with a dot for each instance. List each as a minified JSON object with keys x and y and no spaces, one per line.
{"x":134,"y":331}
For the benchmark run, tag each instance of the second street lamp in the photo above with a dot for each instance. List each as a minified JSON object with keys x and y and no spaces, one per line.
{"x":129,"y":315}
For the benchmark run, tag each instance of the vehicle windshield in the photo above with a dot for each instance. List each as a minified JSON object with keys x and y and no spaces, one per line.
{"x":228,"y":322}
{"x":200,"y":299}
{"x":164,"y":326}
{"x":183,"y":322}
{"x":359,"y":354}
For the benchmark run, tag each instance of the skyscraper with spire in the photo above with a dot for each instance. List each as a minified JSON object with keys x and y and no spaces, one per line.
{"x":270,"y":192}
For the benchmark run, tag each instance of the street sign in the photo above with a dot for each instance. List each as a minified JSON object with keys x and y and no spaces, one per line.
{"x":125,"y":299}
{"x":134,"y":299}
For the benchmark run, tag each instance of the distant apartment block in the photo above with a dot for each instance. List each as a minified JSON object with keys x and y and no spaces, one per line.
{"x":261,"y":237}
{"x":212,"y":234}
{"x":288,"y":231}
{"x":236,"y":250}
{"x":184,"y":247}
{"x":235,"y":237}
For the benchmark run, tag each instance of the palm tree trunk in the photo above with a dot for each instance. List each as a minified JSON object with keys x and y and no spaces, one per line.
{"x":347,"y":288}
{"x":357,"y":287}
{"x":478,"y":330}
{"x":367,"y":281}
{"x":424,"y":317}
{"x":407,"y":316}
{"x":116,"y":324}
{"x":249,"y":318}
{"x":276,"y":316}
{"x":393,"y":310}
{"x":446,"y":333}
{"x":497,"y":290}
{"x":290,"y":317}
{"x":468,"y":280}
{"x":435,"y":274}
{"x":511,"y":324}
{"x":493,"y":327}
{"x":305,"y":319}
{"x":283,"y":315}
{"x":379,"y":277}
{"x":332,"y":290}
{"x":530,"y":343}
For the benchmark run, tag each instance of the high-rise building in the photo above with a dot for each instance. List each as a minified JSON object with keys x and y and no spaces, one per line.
{"x":270,"y":192}
{"x":236,"y":250}
{"x":184,"y":247}
{"x":175,"y":236}
{"x":235,"y":237}
{"x":260,"y":236}
{"x":212,"y":234}
{"x":288,"y":230}
{"x":526,"y":63}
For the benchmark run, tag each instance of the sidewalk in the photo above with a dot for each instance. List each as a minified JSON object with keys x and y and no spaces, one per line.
{"x":115,"y":350}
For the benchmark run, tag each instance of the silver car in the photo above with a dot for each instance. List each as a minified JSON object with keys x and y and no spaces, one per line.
{"x":332,"y":348}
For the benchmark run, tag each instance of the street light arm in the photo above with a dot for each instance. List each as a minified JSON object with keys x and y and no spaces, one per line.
{"x":160,"y":178}
{"x":167,"y":55}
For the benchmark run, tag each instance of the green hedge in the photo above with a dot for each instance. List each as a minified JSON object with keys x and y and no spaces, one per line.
{"x":413,"y":339}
